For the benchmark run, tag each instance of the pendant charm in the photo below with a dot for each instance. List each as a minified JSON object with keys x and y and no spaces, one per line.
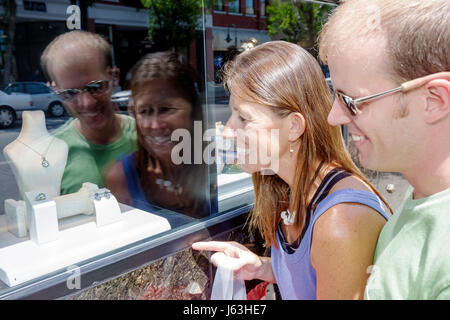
{"x":288,"y":217}
{"x":45,"y":163}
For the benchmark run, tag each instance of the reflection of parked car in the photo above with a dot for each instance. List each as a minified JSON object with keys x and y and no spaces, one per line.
{"x":43,"y":97}
{"x":12,"y":106}
{"x":122,"y":98}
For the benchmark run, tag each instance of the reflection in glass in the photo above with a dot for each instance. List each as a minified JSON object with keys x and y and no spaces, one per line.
{"x":219,"y":5}
{"x":165,"y":99}
{"x":234,"y":6}
{"x":249,"y":7}
{"x":262,"y":7}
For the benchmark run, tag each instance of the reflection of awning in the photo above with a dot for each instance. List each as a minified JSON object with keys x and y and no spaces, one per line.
{"x":241,"y":36}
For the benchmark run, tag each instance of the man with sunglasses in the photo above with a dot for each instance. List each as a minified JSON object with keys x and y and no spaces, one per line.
{"x":79,"y":63}
{"x":390,"y":67}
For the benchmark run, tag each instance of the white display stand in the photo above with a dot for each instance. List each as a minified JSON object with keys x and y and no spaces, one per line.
{"x":79,"y":239}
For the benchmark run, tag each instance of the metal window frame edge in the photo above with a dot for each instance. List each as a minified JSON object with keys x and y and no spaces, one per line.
{"x":131,"y":258}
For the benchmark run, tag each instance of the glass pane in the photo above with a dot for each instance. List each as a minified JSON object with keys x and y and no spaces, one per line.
{"x":249,"y":7}
{"x":130,"y":160}
{"x":36,"y":89}
{"x":15,"y":88}
{"x":219,"y":5}
{"x":139,"y":151}
{"x":234,"y":6}
{"x":262,"y":7}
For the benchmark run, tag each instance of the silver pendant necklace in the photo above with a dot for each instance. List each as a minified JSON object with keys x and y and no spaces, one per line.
{"x":44,"y":162}
{"x":288,"y":217}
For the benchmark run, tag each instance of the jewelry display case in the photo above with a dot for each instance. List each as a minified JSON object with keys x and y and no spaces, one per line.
{"x":60,"y":239}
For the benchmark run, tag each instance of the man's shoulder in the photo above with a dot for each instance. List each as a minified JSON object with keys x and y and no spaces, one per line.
{"x":128,"y":128}
{"x":128,"y":122}
{"x":68,"y":131}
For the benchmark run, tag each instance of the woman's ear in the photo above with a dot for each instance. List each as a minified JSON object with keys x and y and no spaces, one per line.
{"x":438,"y":100}
{"x":297,"y":126}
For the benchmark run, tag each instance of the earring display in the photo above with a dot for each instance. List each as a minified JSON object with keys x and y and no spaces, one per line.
{"x":46,"y":231}
{"x":41,"y":196}
{"x":81,"y":237}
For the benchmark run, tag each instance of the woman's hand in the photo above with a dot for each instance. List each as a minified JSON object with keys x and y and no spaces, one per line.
{"x":246,"y":264}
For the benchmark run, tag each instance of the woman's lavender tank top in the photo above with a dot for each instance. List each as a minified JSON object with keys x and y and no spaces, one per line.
{"x":296,"y":278}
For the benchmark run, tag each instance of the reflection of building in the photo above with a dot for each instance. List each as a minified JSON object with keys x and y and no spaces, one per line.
{"x":234,"y":23}
{"x":123,"y":23}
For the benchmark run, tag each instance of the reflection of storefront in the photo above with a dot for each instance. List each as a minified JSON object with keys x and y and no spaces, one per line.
{"x":124,"y":27}
{"x":235,"y":24}
{"x":127,"y":46}
{"x":30,"y":41}
{"x":227,"y":42}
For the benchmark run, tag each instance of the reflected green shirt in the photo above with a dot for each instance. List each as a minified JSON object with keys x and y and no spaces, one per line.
{"x":88,"y":162}
{"x":412,"y":258}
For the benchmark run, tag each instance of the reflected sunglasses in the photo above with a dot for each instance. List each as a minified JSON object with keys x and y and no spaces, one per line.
{"x":352,"y":104}
{"x":94,"y":88}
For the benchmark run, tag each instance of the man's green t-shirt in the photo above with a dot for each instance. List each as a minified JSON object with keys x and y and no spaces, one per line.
{"x":412,"y":258}
{"x":88,"y":162}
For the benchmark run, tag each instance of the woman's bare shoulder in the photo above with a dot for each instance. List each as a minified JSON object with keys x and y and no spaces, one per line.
{"x":351,"y":182}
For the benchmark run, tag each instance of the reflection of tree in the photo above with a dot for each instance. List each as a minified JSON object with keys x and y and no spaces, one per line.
{"x":9,"y":70}
{"x":172,"y":23}
{"x":296,"y":21}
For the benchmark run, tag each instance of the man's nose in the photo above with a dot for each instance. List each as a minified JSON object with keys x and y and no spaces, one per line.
{"x":85,"y":99}
{"x":338,"y":115}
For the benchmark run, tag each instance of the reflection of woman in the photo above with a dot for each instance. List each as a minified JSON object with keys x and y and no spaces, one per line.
{"x":318,"y":213}
{"x":165,"y":99}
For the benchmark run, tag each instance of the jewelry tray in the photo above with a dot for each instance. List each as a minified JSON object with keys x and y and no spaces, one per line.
{"x":79,"y":239}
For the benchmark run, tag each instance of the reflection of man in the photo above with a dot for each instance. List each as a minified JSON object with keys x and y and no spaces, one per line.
{"x":373,"y":46}
{"x":79,"y":63}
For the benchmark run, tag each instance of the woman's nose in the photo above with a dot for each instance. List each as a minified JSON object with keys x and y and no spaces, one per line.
{"x":229,"y":132}
{"x":152,"y":122}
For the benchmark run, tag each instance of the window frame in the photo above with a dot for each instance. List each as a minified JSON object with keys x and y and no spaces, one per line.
{"x":253,"y":7}
{"x":239,"y":12}
{"x":130,"y":258}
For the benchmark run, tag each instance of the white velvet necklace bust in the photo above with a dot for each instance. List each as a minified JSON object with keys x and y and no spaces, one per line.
{"x":26,"y":156}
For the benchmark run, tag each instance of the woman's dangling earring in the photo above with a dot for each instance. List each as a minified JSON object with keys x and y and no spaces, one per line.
{"x":291,"y":149}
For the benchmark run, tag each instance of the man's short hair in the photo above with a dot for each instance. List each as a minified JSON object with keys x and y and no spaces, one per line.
{"x":416,"y":33}
{"x":75,"y":40}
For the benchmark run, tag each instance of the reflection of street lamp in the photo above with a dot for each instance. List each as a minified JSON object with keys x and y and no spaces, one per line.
{"x":228,"y":38}
{"x":249,"y":44}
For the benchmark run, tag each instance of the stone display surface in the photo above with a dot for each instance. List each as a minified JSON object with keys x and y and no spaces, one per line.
{"x":186,"y":275}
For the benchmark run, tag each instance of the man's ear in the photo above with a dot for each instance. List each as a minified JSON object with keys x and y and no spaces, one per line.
{"x":297,"y":125}
{"x":437,"y":100}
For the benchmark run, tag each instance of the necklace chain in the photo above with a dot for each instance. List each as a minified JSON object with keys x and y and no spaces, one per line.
{"x":169,"y":186}
{"x":44,"y":162}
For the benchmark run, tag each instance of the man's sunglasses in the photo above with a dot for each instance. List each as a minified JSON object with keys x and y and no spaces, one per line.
{"x":94,"y":88}
{"x":352,"y":104}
